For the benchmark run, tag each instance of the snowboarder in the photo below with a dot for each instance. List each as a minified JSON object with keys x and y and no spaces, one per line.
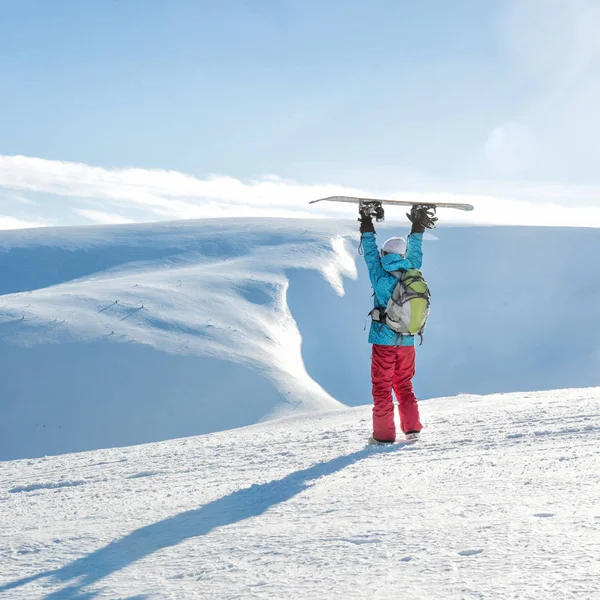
{"x":393,"y":355}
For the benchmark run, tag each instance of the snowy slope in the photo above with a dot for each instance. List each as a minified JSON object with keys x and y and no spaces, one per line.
{"x":112,"y":336}
{"x":499,"y":500}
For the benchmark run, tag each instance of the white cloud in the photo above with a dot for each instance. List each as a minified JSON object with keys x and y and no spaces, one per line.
{"x":159,"y":194}
{"x":12,"y":223}
{"x":98,"y":216}
{"x":138,"y":195}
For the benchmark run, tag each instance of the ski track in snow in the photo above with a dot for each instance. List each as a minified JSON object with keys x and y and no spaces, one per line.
{"x":498,"y":500}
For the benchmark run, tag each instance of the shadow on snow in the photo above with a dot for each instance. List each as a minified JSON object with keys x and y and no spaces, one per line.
{"x":237,"y":506}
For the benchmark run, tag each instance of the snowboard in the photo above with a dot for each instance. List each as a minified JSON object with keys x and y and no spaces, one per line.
{"x":356,"y":200}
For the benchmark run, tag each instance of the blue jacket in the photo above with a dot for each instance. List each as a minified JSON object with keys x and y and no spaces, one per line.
{"x":384,"y":282}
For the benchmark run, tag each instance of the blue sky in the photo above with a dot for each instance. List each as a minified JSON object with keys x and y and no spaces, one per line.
{"x":391,"y":96}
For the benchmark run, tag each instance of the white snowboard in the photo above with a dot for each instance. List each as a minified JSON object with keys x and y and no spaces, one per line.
{"x":355,"y":200}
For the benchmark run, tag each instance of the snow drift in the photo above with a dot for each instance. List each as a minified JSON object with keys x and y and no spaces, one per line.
{"x":111,"y":336}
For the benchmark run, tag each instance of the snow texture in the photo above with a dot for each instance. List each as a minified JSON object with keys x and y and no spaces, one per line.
{"x":112,"y":336}
{"x":499,"y":499}
{"x":115,"y":336}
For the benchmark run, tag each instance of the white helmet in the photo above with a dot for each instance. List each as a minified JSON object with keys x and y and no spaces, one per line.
{"x":395,"y":245}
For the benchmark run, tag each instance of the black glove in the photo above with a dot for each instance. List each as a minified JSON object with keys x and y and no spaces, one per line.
{"x":366,"y":221}
{"x":417,"y":228}
{"x":366,"y":225}
{"x":422,"y":217}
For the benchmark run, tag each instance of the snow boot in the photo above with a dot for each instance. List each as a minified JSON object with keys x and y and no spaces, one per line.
{"x":373,"y":442}
{"x":411,"y":436}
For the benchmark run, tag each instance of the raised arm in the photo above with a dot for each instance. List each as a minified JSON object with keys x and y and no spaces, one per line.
{"x":369,"y":245}
{"x":371,"y":253}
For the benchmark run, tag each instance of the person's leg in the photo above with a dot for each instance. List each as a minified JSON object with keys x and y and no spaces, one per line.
{"x":403,"y":388}
{"x":383,"y":361}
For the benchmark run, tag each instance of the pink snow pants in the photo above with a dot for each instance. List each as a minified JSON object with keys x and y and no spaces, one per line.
{"x":393,"y":367}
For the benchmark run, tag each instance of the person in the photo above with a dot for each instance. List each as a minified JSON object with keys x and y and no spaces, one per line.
{"x":393,"y":356}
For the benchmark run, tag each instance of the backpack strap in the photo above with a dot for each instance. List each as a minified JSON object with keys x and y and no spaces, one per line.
{"x":397,"y":274}
{"x":401,"y":336}
{"x":377,"y":314}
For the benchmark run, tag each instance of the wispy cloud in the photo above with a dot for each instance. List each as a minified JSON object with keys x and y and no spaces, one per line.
{"x":12,"y":223}
{"x":98,"y":216}
{"x":12,"y":198}
{"x":101,"y":195}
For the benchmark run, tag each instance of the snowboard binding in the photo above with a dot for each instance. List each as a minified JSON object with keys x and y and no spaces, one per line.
{"x":424,"y":215}
{"x":371,"y":209}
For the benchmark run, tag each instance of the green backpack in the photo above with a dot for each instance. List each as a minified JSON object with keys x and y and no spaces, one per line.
{"x":407,"y":311}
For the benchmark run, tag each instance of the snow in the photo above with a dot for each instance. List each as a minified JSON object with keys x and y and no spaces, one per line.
{"x":132,"y":310}
{"x":120,"y":335}
{"x":204,"y":387}
{"x":498,"y":500}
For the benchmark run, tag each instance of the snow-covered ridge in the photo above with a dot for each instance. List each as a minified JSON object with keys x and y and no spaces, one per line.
{"x":121,"y":335}
{"x":211,"y":291}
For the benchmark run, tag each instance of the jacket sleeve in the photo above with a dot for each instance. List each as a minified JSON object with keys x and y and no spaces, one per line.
{"x":371,"y":253}
{"x":413,"y":259}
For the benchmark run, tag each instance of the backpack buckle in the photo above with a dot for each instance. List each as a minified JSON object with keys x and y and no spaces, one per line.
{"x":377,"y":315}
